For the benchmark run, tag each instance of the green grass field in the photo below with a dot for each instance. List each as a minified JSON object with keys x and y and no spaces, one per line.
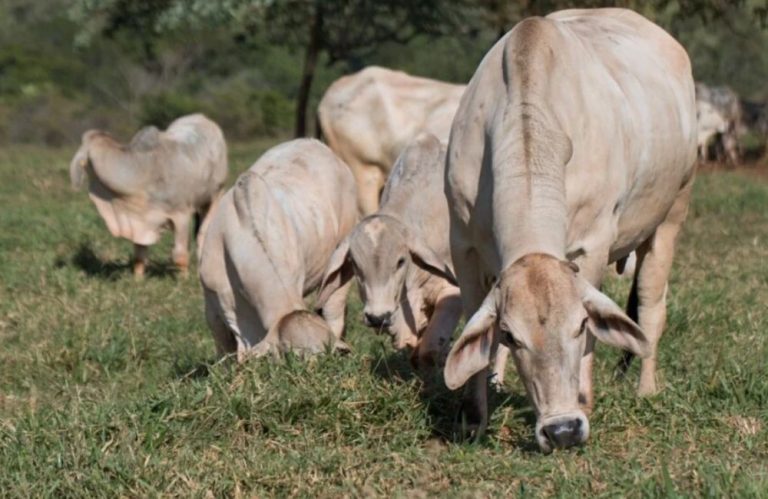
{"x":108,"y":387}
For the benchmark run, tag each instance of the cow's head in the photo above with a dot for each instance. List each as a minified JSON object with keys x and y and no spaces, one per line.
{"x":543,"y":310}
{"x":78,"y":166}
{"x":305,"y":334}
{"x":381,"y":251}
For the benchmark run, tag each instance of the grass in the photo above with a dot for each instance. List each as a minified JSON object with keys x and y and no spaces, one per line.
{"x":109,"y":387}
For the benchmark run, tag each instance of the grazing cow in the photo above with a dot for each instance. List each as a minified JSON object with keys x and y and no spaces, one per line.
{"x":574,"y":145}
{"x":710,"y":124}
{"x":401,"y":257}
{"x":160,"y":178}
{"x":267,"y":247}
{"x":367,"y":118}
{"x":724,"y":101}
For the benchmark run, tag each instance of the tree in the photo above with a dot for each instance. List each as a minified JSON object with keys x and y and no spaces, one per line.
{"x":341,"y":30}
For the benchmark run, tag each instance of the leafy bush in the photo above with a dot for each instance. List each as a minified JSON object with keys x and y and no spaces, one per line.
{"x":161,"y":109}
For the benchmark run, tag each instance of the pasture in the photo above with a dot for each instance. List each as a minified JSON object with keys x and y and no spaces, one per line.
{"x":108,"y":387}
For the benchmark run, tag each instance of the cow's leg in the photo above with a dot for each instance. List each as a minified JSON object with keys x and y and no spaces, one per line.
{"x":334,"y":309}
{"x":205,"y":214}
{"x":370,"y":180}
{"x":432,"y":346}
{"x":226,"y":344}
{"x":650,"y":286}
{"x":473,"y":415}
{"x":180,"y":252}
{"x":140,"y":260}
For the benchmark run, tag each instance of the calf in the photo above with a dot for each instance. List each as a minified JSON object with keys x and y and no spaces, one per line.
{"x":401,"y":257}
{"x":267,"y":247}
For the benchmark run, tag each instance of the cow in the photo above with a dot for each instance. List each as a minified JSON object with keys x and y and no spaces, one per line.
{"x":159,"y":179}
{"x":724,"y":101}
{"x":266,"y":249}
{"x":368,"y":117}
{"x":711,"y":124}
{"x":401,"y":257}
{"x":574,"y":144}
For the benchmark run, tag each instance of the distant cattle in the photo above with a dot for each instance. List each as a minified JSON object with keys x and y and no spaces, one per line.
{"x":574,"y":145}
{"x":267,"y":247}
{"x":368,"y":118}
{"x":159,"y":179}
{"x":721,"y":103}
{"x":711,"y":124}
{"x":401,"y":257}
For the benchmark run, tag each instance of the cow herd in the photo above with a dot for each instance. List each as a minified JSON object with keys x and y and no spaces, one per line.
{"x":573,"y":147}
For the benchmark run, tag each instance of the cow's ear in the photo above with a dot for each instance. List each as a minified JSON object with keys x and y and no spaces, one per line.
{"x":472,"y":351}
{"x":609,"y":324}
{"x":423,"y":256}
{"x":338,"y":272}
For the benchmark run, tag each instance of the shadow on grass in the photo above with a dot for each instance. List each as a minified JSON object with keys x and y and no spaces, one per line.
{"x":443,"y":405}
{"x":89,"y":262}
{"x":191,"y":369}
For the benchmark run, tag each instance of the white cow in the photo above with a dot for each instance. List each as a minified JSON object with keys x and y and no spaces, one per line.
{"x":368,"y":118}
{"x":711,"y":123}
{"x":267,"y":247}
{"x":401,"y":257}
{"x":574,"y":145}
{"x":160,"y":178}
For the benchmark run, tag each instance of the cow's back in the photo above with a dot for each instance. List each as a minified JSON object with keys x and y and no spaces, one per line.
{"x":616,"y":86}
{"x":190,"y":161}
{"x":313,"y":192}
{"x":371,"y":115}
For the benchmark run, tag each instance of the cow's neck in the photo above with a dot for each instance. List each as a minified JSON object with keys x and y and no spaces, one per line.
{"x":529,"y":203}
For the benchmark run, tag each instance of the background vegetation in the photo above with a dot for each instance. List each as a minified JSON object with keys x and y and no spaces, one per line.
{"x":70,"y":65}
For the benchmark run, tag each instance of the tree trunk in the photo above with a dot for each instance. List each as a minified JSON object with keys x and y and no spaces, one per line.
{"x":308,"y":74}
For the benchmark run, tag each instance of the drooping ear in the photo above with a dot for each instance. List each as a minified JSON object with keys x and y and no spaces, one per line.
{"x":338,"y":272}
{"x":609,"y":323}
{"x":472,"y":351}
{"x":77,"y":167}
{"x":423,"y":256}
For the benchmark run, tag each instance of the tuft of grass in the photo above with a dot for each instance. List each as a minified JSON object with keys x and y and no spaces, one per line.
{"x":109,"y":387}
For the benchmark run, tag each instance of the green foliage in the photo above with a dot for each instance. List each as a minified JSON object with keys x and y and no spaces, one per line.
{"x":116,"y":63}
{"x":161,"y":109}
{"x":109,"y":387}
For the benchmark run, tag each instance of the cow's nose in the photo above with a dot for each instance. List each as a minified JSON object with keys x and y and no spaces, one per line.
{"x":382,"y":320}
{"x":564,"y":434}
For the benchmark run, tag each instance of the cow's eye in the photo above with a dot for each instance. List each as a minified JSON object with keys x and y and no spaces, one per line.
{"x":508,"y":338}
{"x":401,"y":262}
{"x":583,"y":327}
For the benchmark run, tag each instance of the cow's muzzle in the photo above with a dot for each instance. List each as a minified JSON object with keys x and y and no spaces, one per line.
{"x":562,"y":431}
{"x":378,"y":321}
